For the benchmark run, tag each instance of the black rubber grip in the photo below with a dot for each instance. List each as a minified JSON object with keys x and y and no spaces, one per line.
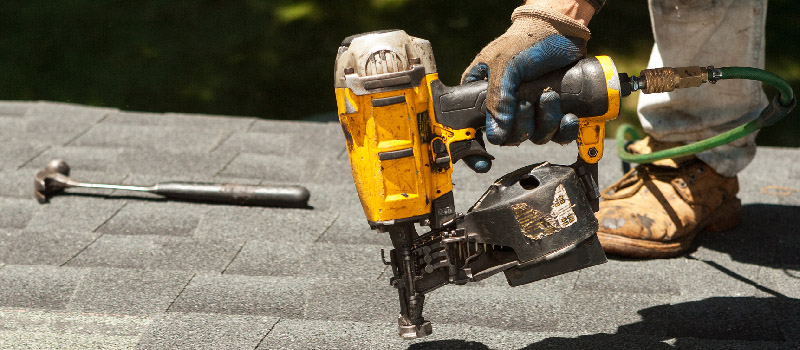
{"x":581,"y":88}
{"x":268,"y":196}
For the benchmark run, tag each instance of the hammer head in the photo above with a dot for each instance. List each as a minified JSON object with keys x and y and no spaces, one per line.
{"x":50,"y":180}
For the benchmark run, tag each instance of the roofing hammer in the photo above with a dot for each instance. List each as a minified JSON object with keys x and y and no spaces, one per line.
{"x":55,"y":178}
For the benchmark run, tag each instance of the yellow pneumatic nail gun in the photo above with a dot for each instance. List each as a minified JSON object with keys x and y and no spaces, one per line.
{"x":404,"y":130}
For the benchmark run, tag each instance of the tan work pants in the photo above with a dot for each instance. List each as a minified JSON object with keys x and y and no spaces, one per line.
{"x":720,"y":33}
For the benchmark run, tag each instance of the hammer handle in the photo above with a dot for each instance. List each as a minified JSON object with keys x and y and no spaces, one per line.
{"x":272,"y":196}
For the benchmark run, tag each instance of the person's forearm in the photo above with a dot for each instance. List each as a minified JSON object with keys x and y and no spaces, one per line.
{"x":581,"y":10}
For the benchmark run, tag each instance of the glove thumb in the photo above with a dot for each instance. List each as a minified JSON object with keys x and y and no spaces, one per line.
{"x":478,"y":164}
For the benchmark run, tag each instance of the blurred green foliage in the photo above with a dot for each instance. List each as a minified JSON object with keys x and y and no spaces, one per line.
{"x":274,"y":58}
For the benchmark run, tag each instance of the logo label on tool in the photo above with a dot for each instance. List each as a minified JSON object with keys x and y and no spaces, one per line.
{"x":562,"y":208}
{"x":536,"y":225}
{"x":445,"y":211}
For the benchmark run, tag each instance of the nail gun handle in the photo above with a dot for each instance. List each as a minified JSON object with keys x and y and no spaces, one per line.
{"x":590,"y":89}
{"x":270,"y":196}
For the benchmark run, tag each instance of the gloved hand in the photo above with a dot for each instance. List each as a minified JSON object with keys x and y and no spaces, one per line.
{"x":539,"y":41}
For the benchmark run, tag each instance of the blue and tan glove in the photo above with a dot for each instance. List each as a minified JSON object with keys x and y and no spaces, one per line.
{"x":539,"y":41}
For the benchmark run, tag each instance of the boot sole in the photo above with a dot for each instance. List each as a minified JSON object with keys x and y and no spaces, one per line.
{"x":725,"y":218}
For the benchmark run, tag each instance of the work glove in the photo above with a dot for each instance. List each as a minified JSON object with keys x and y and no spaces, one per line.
{"x":539,"y":41}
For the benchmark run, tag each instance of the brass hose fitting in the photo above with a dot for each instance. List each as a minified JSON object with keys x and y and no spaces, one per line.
{"x":667,"y":79}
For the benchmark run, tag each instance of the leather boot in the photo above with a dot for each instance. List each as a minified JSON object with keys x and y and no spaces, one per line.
{"x":655,"y":211}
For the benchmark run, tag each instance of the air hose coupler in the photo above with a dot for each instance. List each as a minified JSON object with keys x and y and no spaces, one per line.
{"x":666,"y":79}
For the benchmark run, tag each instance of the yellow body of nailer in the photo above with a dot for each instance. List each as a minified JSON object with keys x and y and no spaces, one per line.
{"x":405,"y":129}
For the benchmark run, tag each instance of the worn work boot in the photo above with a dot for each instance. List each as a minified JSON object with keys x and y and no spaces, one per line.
{"x":655,"y":211}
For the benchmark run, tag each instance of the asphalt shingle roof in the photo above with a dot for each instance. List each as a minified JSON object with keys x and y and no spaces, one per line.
{"x":107,"y":270}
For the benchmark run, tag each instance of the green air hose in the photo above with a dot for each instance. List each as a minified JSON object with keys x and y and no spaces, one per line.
{"x":778,"y":108}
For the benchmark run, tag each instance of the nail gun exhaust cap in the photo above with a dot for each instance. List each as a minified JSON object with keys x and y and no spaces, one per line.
{"x":346,"y":42}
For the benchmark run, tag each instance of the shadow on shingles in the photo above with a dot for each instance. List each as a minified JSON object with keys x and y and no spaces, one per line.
{"x":143,"y":198}
{"x":149,"y":198}
{"x":449,"y":344}
{"x":712,"y":323}
{"x":769,"y":235}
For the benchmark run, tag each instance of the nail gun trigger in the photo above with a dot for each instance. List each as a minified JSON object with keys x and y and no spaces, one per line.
{"x":461,"y":149}
{"x":441,"y":158}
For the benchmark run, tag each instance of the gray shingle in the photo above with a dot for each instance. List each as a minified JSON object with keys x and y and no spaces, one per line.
{"x":58,"y":123}
{"x":34,"y":329}
{"x":13,"y":131}
{"x":598,"y":311}
{"x":157,"y":252}
{"x":16,"y":154}
{"x":73,"y":214}
{"x":117,"y":160}
{"x":80,"y":159}
{"x":275,"y":258}
{"x":270,"y":258}
{"x":179,"y":120}
{"x":290,"y":334}
{"x":530,"y":307}
{"x":321,"y":334}
{"x":354,"y":298}
{"x":126,"y":291}
{"x":707,"y":278}
{"x":784,"y":280}
{"x":765,"y":189}
{"x":293,"y":127}
{"x":276,"y":224}
{"x":15,"y":108}
{"x":66,"y":322}
{"x":19,"y":340}
{"x":205,"y":331}
{"x":339,"y":197}
{"x":271,"y":168}
{"x":68,"y":111}
{"x":15,"y":213}
{"x":171,"y":138}
{"x":344,"y":261}
{"x":333,"y":171}
{"x":154,"y":218}
{"x":243,"y":295}
{"x":352,"y":228}
{"x":165,"y":163}
{"x":316,"y":146}
{"x":17,"y":183}
{"x":38,"y":287}
{"x":256,"y":142}
{"x":773,"y":159}
{"x":54,"y":247}
{"x":615,"y":276}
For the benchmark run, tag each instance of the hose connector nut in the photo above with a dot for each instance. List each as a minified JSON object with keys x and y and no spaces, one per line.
{"x":714,"y":74}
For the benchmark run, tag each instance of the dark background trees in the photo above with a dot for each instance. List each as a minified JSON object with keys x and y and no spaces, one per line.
{"x":273,"y":58}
